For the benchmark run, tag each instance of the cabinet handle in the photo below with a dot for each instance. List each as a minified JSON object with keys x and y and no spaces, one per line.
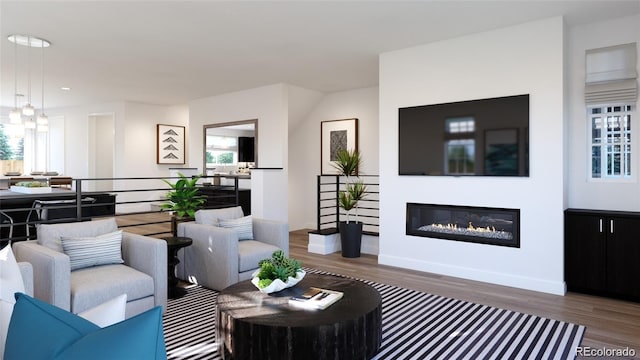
{"x":611,"y":227}
{"x":600,"y":225}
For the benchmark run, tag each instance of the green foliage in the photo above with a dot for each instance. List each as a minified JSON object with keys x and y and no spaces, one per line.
{"x":31,"y":184}
{"x":184,"y":199}
{"x":348,"y":163}
{"x":277,"y":267}
{"x":5,"y":150}
{"x":225,"y":158}
{"x":208,"y":157}
{"x":353,"y":193}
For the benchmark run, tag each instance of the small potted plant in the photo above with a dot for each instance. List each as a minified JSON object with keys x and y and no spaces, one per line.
{"x":347,"y":163}
{"x":183,"y":198}
{"x":277,"y":273}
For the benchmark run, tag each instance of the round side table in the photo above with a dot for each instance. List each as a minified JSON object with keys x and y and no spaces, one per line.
{"x":174,"y":243}
{"x":255,"y":326}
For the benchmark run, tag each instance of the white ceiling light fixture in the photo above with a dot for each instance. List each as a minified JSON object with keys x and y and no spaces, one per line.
{"x":29,"y":124}
{"x":15,"y":115}
{"x":28,"y":109}
{"x":28,"y":41}
{"x":42,"y":119}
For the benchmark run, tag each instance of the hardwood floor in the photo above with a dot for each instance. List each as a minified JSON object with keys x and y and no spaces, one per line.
{"x":610,"y":323}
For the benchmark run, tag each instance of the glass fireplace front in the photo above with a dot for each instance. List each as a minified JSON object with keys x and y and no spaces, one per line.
{"x":494,"y":226}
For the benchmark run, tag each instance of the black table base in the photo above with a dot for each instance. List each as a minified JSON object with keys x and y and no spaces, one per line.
{"x":252,"y":325}
{"x":174,"y":243}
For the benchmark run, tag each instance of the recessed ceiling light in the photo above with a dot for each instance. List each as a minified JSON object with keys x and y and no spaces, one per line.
{"x":65,"y":88}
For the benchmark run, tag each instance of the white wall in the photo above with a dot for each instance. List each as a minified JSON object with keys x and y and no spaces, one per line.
{"x":135,"y":142}
{"x":76,"y":134}
{"x":304,"y":148}
{"x":523,"y":59}
{"x":582,"y":191}
{"x":269,"y":105}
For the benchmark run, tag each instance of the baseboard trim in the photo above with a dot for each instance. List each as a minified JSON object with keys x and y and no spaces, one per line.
{"x":522,"y":282}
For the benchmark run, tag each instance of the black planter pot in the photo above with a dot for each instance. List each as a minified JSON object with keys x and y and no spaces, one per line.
{"x":350,"y":238}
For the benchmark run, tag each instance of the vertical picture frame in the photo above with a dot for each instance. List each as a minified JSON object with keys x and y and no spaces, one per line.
{"x":171,"y":144}
{"x":336,"y":135}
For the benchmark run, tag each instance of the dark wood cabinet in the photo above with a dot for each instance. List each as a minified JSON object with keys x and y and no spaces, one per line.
{"x":602,"y":252}
{"x":225,"y":196}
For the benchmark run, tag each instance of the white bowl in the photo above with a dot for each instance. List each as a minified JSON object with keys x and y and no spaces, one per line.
{"x":277,"y":284}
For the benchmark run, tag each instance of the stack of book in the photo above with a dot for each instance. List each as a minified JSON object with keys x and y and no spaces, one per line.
{"x":316,"y":298}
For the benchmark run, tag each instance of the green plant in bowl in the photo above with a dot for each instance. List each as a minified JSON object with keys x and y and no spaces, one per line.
{"x":31,"y":184}
{"x":277,"y":267}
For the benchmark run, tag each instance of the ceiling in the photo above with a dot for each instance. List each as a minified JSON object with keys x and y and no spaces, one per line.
{"x":171,"y":52}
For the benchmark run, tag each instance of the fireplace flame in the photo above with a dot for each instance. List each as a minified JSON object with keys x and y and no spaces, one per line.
{"x":470,"y":230}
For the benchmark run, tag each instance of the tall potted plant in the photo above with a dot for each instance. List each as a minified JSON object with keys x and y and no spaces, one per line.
{"x":183,"y":199}
{"x":347,"y":163}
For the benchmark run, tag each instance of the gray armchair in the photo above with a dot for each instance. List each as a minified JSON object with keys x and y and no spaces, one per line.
{"x":217,"y":258}
{"x":142,"y":276}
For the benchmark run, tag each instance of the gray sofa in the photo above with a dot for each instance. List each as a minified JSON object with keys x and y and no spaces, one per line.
{"x":142,"y":276}
{"x":217,"y":258}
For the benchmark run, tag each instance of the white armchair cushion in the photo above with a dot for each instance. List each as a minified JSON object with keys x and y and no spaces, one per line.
{"x":49,"y":234}
{"x":213,"y":216}
{"x":242,"y":226}
{"x":92,"y":251}
{"x":107,"y":313}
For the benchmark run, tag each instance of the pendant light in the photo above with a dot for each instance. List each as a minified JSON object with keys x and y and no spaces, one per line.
{"x":15,"y":115}
{"x":43,"y":119}
{"x":28,"y":109}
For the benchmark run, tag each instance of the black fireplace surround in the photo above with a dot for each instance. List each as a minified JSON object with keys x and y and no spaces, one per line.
{"x":493,"y":226}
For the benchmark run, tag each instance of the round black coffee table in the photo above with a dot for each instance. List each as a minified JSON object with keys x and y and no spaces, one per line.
{"x":174,"y":243}
{"x":253,"y":325}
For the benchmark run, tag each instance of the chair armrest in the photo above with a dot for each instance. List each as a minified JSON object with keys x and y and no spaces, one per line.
{"x":51,"y":272}
{"x":26,"y":270}
{"x":272,"y":232}
{"x":212,"y":259}
{"x":148,"y":255}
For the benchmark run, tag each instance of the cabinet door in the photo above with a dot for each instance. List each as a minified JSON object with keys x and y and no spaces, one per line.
{"x":585,"y":246}
{"x":623,"y":256}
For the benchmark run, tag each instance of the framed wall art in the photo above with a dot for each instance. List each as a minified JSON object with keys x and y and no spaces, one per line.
{"x":336,"y":135}
{"x":171,"y":144}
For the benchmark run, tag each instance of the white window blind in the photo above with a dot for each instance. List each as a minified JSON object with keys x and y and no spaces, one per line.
{"x":611,"y":74}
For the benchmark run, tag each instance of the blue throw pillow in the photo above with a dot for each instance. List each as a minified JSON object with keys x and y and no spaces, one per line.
{"x":62,"y":335}
{"x":40,"y":331}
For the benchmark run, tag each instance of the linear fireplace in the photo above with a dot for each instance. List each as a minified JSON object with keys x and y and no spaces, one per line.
{"x":494,"y":226}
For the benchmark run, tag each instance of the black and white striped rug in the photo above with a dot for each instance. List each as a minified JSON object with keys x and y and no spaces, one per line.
{"x":415,"y":325}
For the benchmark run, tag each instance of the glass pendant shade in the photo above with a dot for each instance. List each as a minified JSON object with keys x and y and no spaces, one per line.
{"x":30,"y":124}
{"x":42,"y":119}
{"x":28,"y":110}
{"x":15,"y":116}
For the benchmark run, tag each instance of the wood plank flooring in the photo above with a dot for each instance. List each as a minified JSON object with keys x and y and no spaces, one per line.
{"x":610,"y":323}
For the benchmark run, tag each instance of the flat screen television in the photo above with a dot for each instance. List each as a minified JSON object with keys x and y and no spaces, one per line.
{"x":485,"y":137}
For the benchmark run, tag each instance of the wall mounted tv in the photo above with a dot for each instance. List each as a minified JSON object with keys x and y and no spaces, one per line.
{"x":486,"y":137}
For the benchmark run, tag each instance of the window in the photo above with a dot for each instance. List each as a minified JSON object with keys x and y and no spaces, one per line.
{"x":11,"y":148}
{"x":221,"y":150}
{"x":611,"y":141}
{"x":460,"y":146}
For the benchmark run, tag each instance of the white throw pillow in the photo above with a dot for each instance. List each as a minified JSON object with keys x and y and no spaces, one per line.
{"x":243,"y":226}
{"x":10,"y":283}
{"x":108,"y":313}
{"x":92,"y":251}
